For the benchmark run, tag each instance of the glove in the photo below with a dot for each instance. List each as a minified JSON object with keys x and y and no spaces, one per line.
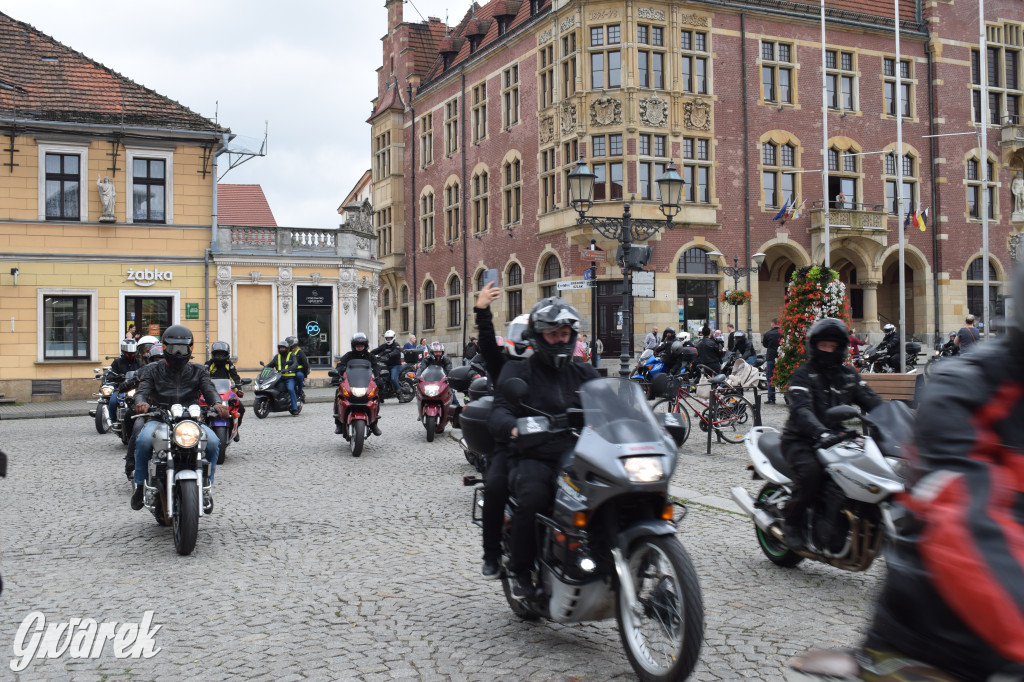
{"x":829,"y":438}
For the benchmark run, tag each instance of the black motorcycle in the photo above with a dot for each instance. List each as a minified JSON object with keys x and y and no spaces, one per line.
{"x":406,"y":389}
{"x":878,"y":360}
{"x":272,"y":394}
{"x":471,"y":380}
{"x":609,"y":548}
{"x":946,"y":350}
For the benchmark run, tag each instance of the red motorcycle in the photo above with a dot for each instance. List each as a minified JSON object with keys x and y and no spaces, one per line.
{"x":356,"y":403}
{"x":226,"y":428}
{"x":435,"y":399}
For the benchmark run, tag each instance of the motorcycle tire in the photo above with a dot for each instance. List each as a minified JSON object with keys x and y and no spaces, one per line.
{"x":431,"y":423}
{"x":776,"y":551}
{"x":358,"y":437}
{"x":406,"y":391}
{"x":126,"y":429}
{"x":102,"y":421}
{"x":261,"y":408}
{"x":224,"y":435}
{"x":186,"y":516}
{"x":520,"y":608}
{"x":672,"y":610}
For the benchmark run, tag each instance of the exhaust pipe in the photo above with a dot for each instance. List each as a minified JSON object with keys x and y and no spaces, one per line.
{"x":746,"y":503}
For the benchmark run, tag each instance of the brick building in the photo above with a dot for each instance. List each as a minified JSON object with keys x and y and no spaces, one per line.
{"x":476,"y":126}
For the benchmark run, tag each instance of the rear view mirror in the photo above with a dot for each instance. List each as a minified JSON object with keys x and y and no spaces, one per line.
{"x":678,"y":427}
{"x":839,"y":414}
{"x":246,"y":381}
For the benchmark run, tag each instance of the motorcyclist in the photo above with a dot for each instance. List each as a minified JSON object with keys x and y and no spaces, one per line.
{"x":391,"y":354}
{"x":667,"y":339}
{"x":890,"y":342}
{"x":435,"y":356}
{"x":128,"y":361}
{"x":953,"y":597}
{"x":553,"y":380}
{"x":221,"y":367}
{"x":359,"y":351}
{"x":286,"y":362}
{"x":709,"y":351}
{"x":156,"y":356}
{"x":144,"y":346}
{"x":823,"y":381}
{"x":950,"y":348}
{"x":174,"y":381}
{"x":301,"y":366}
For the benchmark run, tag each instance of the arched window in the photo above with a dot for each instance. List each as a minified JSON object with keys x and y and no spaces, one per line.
{"x":552,"y":270}
{"x":696,"y":262}
{"x":480,"y":280}
{"x":512,"y":191}
{"x":454,"y":286}
{"x":454,"y":302}
{"x":480,"y":199}
{"x":452,"y":202}
{"x":427,"y":220}
{"x":387,"y":298}
{"x":428,"y":305}
{"x":515,"y":275}
{"x":428,"y":291}
{"x":973,"y":171}
{"x":910,"y":189}
{"x":778,"y":180}
{"x":844,"y":173}
{"x":405,"y":294}
{"x":514,"y":296}
{"x":976,"y":270}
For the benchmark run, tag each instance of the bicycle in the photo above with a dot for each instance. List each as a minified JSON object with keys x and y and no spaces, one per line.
{"x":725,"y":410}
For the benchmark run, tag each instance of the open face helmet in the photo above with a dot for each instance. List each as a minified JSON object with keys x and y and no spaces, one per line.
{"x":515,"y":343}
{"x":128,"y":349}
{"x":145,"y":345}
{"x":220,"y":351}
{"x":828,"y":329}
{"x":177,"y":342}
{"x":359,"y":339}
{"x":549,"y":315}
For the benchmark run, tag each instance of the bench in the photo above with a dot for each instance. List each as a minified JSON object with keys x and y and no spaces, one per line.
{"x":905,"y":387}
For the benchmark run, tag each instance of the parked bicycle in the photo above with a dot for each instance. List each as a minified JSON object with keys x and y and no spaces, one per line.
{"x":714,"y":403}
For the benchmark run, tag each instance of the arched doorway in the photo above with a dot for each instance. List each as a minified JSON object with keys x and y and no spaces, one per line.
{"x":916,"y":294}
{"x":780,"y":262}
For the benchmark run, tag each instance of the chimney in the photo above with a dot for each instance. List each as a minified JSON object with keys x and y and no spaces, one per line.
{"x":394,"y":8}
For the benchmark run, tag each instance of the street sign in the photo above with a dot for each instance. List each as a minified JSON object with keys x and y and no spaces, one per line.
{"x":643,"y":290}
{"x":643,"y":277}
{"x":588,"y":274}
{"x":594,"y":254}
{"x":572,"y":284}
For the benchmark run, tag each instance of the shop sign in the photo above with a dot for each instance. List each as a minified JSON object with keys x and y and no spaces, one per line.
{"x":315,"y":296}
{"x":191,"y":311}
{"x":147,"y":277}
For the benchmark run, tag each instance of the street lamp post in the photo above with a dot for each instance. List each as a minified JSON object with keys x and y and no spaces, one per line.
{"x":626,"y":230}
{"x":735,"y":271}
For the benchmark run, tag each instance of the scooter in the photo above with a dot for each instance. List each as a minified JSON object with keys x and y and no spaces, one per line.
{"x":435,"y":398}
{"x":356,"y":402}
{"x":226,"y":428}
{"x":272,"y":394}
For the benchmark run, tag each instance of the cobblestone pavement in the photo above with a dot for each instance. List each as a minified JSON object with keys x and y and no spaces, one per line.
{"x":317,"y":565}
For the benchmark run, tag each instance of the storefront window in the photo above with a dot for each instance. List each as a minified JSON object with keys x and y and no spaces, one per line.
{"x":150,"y":315}
{"x":697,"y":299}
{"x":66,"y":327}
{"x":313,"y":314}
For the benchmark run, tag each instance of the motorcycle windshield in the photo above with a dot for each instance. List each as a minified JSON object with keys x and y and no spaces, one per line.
{"x":894,"y":423}
{"x":358,"y":373}
{"x":266,"y":374}
{"x":433,"y":374}
{"x":617,"y":411}
{"x":222,"y":386}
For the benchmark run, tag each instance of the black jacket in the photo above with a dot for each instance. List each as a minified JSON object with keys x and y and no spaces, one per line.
{"x":709,"y":352}
{"x":352,"y":355}
{"x":550,"y":391}
{"x":390,"y":353}
{"x":129,"y":384}
{"x":954,"y":596}
{"x":470,"y":351}
{"x":428,"y":360}
{"x":162,"y":386}
{"x":813,"y":391}
{"x":224,"y":370}
{"x":301,"y":362}
{"x":121,"y":366}
{"x":287,"y":364}
{"x":494,"y":358}
{"x":771,"y":340}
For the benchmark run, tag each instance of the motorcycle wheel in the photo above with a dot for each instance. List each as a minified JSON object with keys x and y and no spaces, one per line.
{"x":126,"y":429}
{"x":261,"y":407}
{"x":224,"y":434}
{"x":186,"y":516}
{"x":406,"y":391}
{"x":520,"y":608}
{"x":663,"y":639}
{"x":776,"y":551}
{"x":431,"y":424}
{"x":355,"y":443}
{"x":675,"y":406}
{"x":102,"y":420}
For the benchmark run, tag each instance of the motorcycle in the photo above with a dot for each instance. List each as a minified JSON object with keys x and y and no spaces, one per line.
{"x":946,"y":350}
{"x":272,"y":394}
{"x":356,"y":402}
{"x":647,"y":367}
{"x":609,"y":548}
{"x":878,"y":360}
{"x":101,"y":413}
{"x":472,"y":381}
{"x":406,"y":389}
{"x":226,"y":428}
{"x":435,"y":400}
{"x":175,"y":489}
{"x":854,"y":513}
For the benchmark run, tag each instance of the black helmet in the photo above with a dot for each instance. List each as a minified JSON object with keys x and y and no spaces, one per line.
{"x":669,"y":333}
{"x":360,"y":338}
{"x":128,"y":349}
{"x":177,"y":343}
{"x":548,"y":315}
{"x":889,"y":330}
{"x":292,"y":341}
{"x":156,"y":352}
{"x":220,"y":351}
{"x":676,"y":348}
{"x":828,"y":329}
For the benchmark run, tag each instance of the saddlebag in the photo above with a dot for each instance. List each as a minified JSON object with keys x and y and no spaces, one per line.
{"x":474,"y":420}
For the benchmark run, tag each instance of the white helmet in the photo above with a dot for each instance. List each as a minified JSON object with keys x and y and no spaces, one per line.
{"x":514,"y":343}
{"x":389,"y":336}
{"x":145,"y":345}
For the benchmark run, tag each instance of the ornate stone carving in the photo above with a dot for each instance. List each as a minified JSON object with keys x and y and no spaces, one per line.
{"x":568,"y":23}
{"x":654,"y":111}
{"x":284,"y":273}
{"x":547,"y":129}
{"x":697,"y":114}
{"x":316,"y":278}
{"x":694,"y":20}
{"x":285,"y":288}
{"x":653,"y":14}
{"x":255,"y":276}
{"x":346,"y":275}
{"x":1017,"y":248}
{"x":568,"y":117}
{"x":604,"y":15}
{"x":606,"y":111}
{"x":224,"y":272}
{"x":225,"y":304}
{"x":362,"y":243}
{"x":544,"y":37}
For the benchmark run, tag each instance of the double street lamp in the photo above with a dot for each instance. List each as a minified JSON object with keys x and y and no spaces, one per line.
{"x":735,"y":271}
{"x":626,"y":230}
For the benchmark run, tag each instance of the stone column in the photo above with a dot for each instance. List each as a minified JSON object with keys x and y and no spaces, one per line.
{"x":225,"y":316}
{"x":870,"y":289}
{"x":285,"y":311}
{"x":348,"y":292}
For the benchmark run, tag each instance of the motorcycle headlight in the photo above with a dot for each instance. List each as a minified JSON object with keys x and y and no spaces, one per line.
{"x":359,"y":392}
{"x":106,"y":391}
{"x":900,"y":467}
{"x":131,"y":393}
{"x":195,"y":411}
{"x":431,"y":390}
{"x":644,"y":469}
{"x":186,"y":434}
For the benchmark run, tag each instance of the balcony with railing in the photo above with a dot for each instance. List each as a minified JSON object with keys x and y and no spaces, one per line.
{"x":1011,"y":142}
{"x":283,"y":240}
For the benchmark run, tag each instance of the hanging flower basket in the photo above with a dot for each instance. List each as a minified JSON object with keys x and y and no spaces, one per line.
{"x":736,"y":297}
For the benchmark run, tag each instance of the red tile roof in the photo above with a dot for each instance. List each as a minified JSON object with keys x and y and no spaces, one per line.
{"x":56,"y":83}
{"x":243,"y":205}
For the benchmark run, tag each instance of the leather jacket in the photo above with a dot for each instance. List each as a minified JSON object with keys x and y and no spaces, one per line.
{"x":390,"y":353}
{"x":812,"y":391}
{"x":162,"y":386}
{"x":121,"y":366}
{"x":352,"y":355}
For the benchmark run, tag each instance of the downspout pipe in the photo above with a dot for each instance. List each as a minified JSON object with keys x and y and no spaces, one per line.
{"x":213,"y":243}
{"x":465,"y":237}
{"x":746,"y":167}
{"x":411,"y":286}
{"x":933,"y":151}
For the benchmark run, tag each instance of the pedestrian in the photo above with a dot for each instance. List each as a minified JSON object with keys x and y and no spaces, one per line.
{"x":581,"y":352}
{"x":730,"y":337}
{"x":855,"y":343}
{"x":967,"y":336}
{"x":470,"y":351}
{"x":651,"y":340}
{"x":598,"y":350}
{"x":771,"y":340}
{"x":130,"y":334}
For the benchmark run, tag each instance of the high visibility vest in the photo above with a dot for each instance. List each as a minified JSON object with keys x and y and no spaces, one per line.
{"x":284,"y":363}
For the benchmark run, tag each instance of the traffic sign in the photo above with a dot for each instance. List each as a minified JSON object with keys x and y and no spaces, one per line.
{"x":588,"y":274}
{"x":594,"y":254}
{"x":572,"y":284}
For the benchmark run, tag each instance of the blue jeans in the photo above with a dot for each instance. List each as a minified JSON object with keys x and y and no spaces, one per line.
{"x":301,"y":378}
{"x":112,"y":407}
{"x":290,"y":383}
{"x":144,"y":450}
{"x":769,"y":372}
{"x":394,"y":369}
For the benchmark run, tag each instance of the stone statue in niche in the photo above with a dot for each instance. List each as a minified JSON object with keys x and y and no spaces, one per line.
{"x":108,"y":195}
{"x":1017,"y":189}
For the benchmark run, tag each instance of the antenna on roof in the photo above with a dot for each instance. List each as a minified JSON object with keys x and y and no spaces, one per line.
{"x":244,"y":151}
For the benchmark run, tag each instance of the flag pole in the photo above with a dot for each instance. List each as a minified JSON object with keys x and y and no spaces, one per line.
{"x":983,"y":161}
{"x":898,"y":102}
{"x":824,"y":143}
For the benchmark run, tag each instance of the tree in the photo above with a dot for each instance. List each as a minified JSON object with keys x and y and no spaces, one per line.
{"x":813,"y":293}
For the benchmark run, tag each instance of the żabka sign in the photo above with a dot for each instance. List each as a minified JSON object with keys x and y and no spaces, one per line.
{"x":147,"y":277}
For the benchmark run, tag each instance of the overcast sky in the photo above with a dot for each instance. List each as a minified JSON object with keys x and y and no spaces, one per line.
{"x":308,"y":67}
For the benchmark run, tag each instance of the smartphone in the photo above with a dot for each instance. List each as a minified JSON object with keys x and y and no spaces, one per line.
{"x":491,"y":276}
